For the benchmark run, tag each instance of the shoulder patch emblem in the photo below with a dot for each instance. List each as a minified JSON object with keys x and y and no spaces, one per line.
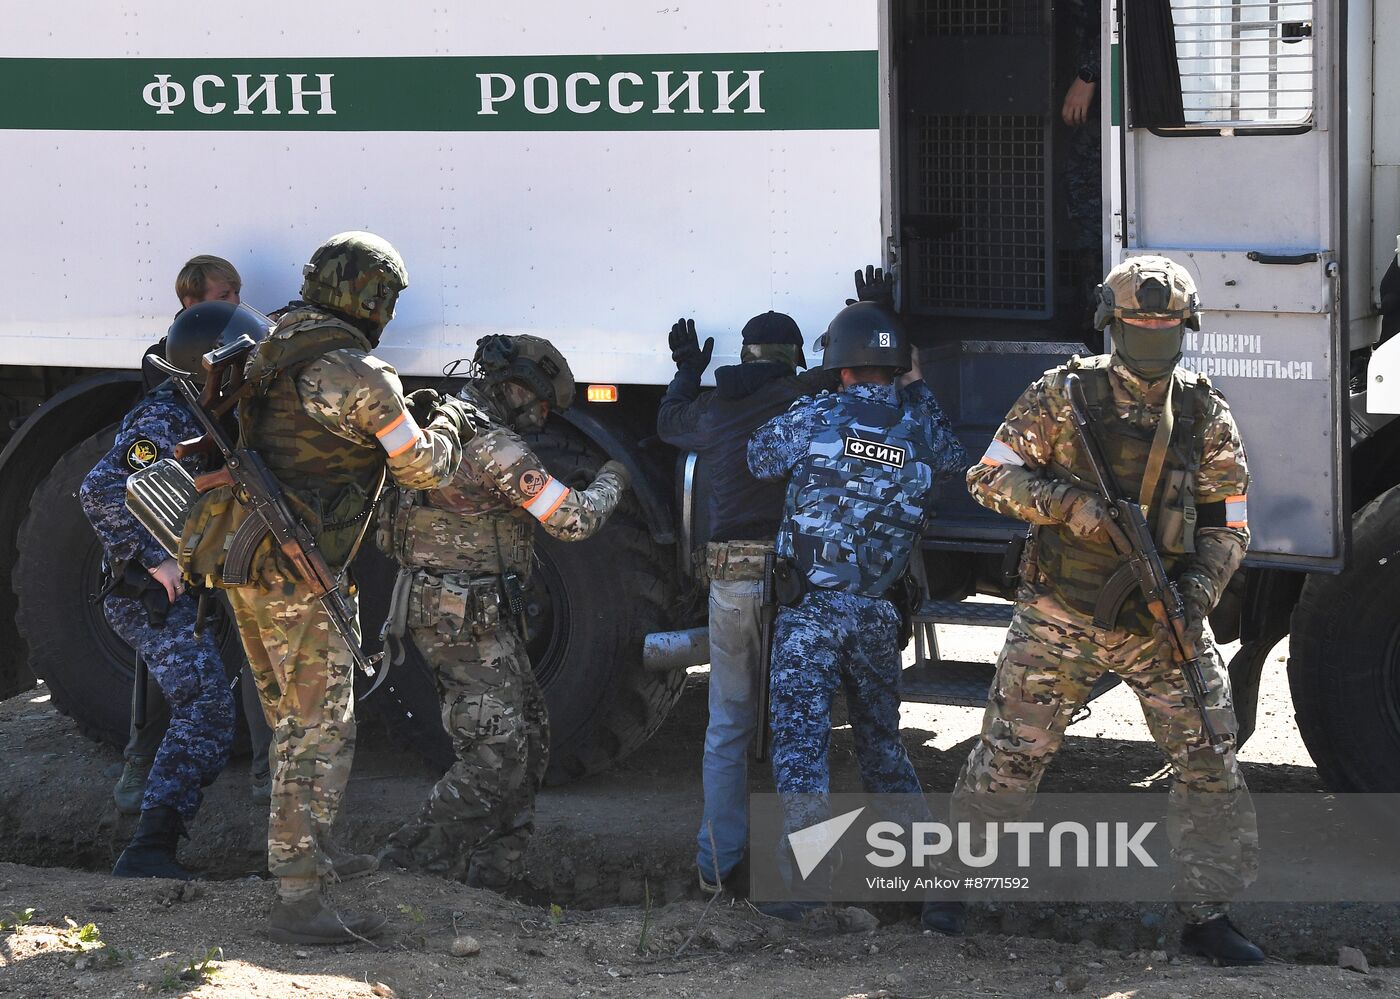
{"x":532,"y":480}
{"x":141,"y":454}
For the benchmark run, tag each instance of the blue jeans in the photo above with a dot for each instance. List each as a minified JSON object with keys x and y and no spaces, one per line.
{"x":734,"y":672}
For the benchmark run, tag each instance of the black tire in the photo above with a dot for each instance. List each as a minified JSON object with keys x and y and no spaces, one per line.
{"x":1344,"y":659}
{"x":86,"y":666}
{"x":589,"y":605}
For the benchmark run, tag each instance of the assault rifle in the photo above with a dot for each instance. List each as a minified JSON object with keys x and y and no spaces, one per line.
{"x":1145,"y":564}
{"x":257,"y":489}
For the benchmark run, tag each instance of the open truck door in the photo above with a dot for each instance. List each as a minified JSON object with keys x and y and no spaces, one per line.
{"x":1232,"y":146}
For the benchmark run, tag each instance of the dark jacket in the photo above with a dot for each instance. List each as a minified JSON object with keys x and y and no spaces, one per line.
{"x":717,"y":426}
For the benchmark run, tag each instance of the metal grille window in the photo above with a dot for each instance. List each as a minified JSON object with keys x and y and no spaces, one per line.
{"x":981,"y":189}
{"x":1245,"y":62}
{"x":975,"y":17}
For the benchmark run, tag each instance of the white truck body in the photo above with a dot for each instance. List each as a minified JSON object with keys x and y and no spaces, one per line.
{"x":594,"y":233}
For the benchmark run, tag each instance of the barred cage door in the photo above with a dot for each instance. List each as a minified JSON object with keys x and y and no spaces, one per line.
{"x":977,"y":179}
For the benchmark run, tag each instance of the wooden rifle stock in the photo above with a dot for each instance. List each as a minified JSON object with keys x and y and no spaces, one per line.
{"x":209,"y":480}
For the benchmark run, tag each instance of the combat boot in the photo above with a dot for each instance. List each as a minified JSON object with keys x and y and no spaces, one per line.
{"x":347,"y":866}
{"x":151,"y":852}
{"x":310,"y":920}
{"x":131,"y":785}
{"x":1218,"y":940}
{"x":946,"y":916}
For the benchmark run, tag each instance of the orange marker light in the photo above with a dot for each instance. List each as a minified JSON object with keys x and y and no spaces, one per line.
{"x":602,"y":393}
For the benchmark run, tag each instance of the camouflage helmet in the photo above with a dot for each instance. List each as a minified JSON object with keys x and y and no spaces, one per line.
{"x":1148,"y":287}
{"x":865,"y":335}
{"x":529,"y":360}
{"x":357,"y":275}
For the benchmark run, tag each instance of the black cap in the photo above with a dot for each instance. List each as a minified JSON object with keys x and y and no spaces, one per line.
{"x":772,"y":327}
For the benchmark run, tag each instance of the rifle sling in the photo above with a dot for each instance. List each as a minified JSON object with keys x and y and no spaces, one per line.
{"x":1157,"y":457}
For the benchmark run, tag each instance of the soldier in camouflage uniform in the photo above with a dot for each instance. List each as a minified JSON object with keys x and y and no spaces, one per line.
{"x":331,"y":421}
{"x":863,"y":465}
{"x":149,"y":608}
{"x":1192,"y":470}
{"x":466,"y":550}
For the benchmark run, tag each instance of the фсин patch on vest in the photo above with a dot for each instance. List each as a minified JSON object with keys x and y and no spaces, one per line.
{"x":884,"y":454}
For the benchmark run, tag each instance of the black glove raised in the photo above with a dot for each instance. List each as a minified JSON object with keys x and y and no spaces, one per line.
{"x":685,"y":347}
{"x":874,"y":286}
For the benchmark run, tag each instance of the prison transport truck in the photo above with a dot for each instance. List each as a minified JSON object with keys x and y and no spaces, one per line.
{"x":590,"y":172}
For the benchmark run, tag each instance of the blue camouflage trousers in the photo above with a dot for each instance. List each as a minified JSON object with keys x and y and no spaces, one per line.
{"x":190,"y":673}
{"x":835,"y":641}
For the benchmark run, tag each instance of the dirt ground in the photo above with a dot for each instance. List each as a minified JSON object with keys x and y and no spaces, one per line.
{"x":610,"y":907}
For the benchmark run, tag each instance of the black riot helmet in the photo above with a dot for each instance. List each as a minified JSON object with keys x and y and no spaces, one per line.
{"x":203,"y":327}
{"x":865,"y":335}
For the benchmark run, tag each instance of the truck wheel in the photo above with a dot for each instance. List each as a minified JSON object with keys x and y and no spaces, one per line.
{"x":1344,"y":659}
{"x":86,"y":667}
{"x":588,"y":606}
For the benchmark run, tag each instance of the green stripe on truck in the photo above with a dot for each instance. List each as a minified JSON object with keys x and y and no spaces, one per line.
{"x":652,"y":92}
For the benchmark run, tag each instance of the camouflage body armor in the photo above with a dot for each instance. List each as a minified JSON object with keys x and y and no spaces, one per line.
{"x":1078,"y":568}
{"x":330,"y":481}
{"x":855,"y":503}
{"x":456,"y":528}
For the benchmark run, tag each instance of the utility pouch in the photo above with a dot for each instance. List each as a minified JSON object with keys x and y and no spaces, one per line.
{"x":215,"y":520}
{"x":455,"y":605}
{"x":341,"y":522}
{"x":1176,"y":523}
{"x":1019,"y":564}
{"x":789,"y":582}
{"x":906,"y":594}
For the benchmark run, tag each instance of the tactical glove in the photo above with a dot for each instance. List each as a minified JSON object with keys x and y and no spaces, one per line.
{"x":421,"y":403}
{"x":1088,"y":517}
{"x":874,"y":286}
{"x":686,"y":350}
{"x":617,"y":468}
{"x":457,"y":415}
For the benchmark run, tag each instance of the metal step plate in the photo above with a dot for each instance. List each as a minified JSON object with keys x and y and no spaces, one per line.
{"x":954,"y":681}
{"x":964,"y":612}
{"x":950,"y":681}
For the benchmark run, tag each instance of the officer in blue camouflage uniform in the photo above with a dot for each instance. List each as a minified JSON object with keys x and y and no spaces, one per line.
{"x":863,"y":465}
{"x":157,"y":619}
{"x":203,"y":278}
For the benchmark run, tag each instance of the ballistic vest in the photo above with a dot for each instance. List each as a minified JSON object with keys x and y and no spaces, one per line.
{"x":329,"y":480}
{"x":1077,"y":568}
{"x":856,"y":501}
